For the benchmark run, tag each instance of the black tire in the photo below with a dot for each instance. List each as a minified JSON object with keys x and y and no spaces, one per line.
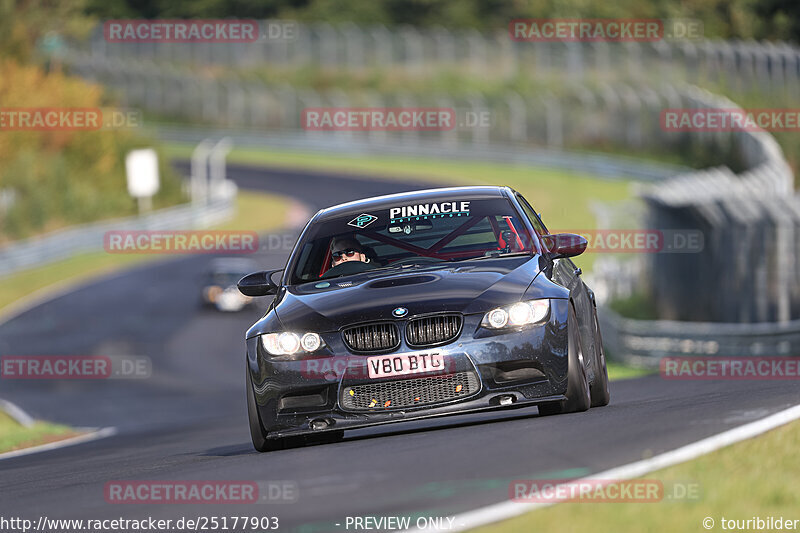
{"x":578,"y":396}
{"x":259,"y":435}
{"x":257,"y":432}
{"x":599,"y":389}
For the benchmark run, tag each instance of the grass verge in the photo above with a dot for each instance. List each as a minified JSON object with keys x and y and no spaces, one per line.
{"x":255,"y":211}
{"x":563,"y":197}
{"x":619,"y":371}
{"x":753,"y":478}
{"x":15,"y":436}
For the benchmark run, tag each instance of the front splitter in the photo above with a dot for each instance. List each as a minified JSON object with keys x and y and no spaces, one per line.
{"x":338,"y":420}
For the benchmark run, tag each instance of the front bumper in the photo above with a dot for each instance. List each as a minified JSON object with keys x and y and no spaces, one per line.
{"x":512,"y":369}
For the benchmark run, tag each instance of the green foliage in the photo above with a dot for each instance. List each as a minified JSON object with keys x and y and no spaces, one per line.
{"x":758,"y":19}
{"x":636,"y":306}
{"x":24,"y":23}
{"x":50,"y":179}
{"x":14,"y":436}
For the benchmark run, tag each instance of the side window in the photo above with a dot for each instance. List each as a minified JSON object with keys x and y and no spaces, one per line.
{"x":532,"y":216}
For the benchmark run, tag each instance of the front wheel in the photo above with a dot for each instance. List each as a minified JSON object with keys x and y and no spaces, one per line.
{"x":578,"y":396}
{"x":257,"y":432}
{"x":259,"y":435}
{"x":599,"y":389}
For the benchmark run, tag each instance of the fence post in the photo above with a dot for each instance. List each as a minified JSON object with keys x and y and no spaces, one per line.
{"x":554,"y":121}
{"x":448,"y":138}
{"x":445,"y":46}
{"x":384,"y":49}
{"x":476,"y":45}
{"x":412,"y":49}
{"x":328,"y":45}
{"x":574,"y":61}
{"x":199,"y":183}
{"x":477,"y":106}
{"x":517,"y":118}
{"x":354,"y":45}
{"x":217,"y":168}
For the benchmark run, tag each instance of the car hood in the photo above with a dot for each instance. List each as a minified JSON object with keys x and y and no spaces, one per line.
{"x":475,"y":288}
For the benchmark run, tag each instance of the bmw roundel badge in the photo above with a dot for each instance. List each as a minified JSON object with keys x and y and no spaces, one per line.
{"x":400,"y":311}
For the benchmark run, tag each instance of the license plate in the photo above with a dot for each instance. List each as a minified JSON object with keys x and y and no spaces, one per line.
{"x":383,"y":366}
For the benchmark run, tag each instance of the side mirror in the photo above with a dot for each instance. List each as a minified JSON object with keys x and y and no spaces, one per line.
{"x":565,"y":245}
{"x":258,"y":284}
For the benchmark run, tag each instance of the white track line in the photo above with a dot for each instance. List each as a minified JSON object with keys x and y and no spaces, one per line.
{"x":80,"y":439}
{"x":17,"y":413}
{"x":508,"y":509}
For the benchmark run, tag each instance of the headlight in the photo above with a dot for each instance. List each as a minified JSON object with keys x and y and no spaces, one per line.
{"x":496,"y":318}
{"x":518,"y":314}
{"x":311,"y":342}
{"x":288,"y":343}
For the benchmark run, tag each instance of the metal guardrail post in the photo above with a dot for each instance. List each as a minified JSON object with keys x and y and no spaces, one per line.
{"x":216,"y":163}
{"x":199,"y":183}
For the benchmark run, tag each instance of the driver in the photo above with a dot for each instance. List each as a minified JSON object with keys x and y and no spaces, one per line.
{"x":344,"y":249}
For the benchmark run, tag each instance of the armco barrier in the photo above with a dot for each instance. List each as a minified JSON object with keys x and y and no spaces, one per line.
{"x":644,"y":342}
{"x":602,"y":166}
{"x":748,"y":270}
{"x":762,"y":68}
{"x":89,"y":237}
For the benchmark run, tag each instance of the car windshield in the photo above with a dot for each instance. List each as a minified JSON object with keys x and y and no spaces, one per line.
{"x":408,"y":235}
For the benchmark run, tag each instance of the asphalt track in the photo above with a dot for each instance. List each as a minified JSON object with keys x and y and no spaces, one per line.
{"x":188,"y":420}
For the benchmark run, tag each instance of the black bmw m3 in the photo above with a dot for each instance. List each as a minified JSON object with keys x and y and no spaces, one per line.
{"x":416,"y":305}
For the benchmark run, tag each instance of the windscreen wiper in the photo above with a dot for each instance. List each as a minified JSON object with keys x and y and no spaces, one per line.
{"x":406,"y":265}
{"x":493,"y":255}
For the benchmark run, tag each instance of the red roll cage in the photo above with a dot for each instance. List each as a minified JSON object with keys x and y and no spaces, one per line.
{"x":435,"y":250}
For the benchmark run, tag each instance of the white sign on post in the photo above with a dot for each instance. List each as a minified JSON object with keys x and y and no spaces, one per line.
{"x":142,"y":169}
